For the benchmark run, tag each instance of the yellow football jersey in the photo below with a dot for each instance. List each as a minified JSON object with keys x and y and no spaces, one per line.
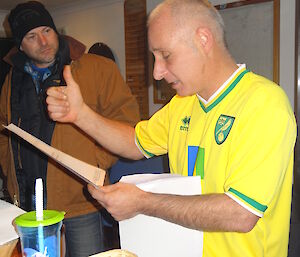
{"x":241,"y":143}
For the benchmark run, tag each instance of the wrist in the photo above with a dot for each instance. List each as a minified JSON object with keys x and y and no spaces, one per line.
{"x":143,"y":204}
{"x":81,"y":116}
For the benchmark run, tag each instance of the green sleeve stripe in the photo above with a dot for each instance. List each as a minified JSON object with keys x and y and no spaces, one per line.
{"x":148,"y":154}
{"x":248,"y":200}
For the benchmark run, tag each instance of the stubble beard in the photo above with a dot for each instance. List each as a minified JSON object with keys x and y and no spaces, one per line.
{"x":44,"y":61}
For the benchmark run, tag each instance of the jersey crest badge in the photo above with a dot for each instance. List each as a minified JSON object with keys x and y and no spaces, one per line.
{"x":223,"y":127}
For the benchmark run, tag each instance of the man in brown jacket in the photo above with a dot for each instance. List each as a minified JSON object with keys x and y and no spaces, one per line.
{"x":37,"y":63}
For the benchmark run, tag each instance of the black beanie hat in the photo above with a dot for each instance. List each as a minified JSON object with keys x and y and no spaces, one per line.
{"x":27,"y":16}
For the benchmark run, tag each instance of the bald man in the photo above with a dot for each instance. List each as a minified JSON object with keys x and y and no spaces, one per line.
{"x":221,"y":126}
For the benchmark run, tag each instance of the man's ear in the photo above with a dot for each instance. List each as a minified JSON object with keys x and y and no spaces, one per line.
{"x":21,"y":48}
{"x":204,"y":39}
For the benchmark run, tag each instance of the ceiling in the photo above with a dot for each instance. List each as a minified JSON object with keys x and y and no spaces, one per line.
{"x":50,"y":4}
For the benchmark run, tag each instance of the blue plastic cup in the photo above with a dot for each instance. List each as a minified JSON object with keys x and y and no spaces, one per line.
{"x":40,"y":238}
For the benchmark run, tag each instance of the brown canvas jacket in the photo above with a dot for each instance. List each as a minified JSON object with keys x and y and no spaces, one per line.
{"x":105,"y":91}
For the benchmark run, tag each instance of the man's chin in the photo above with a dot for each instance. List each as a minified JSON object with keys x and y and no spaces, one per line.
{"x":44,"y":63}
{"x":179,"y":88}
{"x":183,"y":94}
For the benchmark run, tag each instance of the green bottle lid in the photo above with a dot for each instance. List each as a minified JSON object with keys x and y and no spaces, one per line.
{"x":29,"y":219}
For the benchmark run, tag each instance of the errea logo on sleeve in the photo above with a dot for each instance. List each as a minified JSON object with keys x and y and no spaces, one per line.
{"x":185,"y":123}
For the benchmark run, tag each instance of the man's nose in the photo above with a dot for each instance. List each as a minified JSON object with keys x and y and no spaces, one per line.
{"x":42,"y":39}
{"x":159,"y":70}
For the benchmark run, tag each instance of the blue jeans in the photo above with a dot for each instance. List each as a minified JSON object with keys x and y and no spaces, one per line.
{"x":84,"y":235}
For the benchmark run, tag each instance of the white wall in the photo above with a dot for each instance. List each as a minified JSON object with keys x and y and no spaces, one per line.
{"x":97,"y":21}
{"x":287,"y":47}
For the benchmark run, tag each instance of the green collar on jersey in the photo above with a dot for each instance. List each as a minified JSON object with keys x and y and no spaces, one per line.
{"x":225,"y":93}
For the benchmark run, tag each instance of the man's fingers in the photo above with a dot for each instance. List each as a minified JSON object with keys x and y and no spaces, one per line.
{"x":58,"y":108}
{"x":57,"y":103}
{"x":98,"y":194}
{"x":95,"y":192}
{"x":57,"y":92}
{"x":57,"y":100}
{"x":56,"y":116}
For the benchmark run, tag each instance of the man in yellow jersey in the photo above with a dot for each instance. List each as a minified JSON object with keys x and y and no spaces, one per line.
{"x":233,"y":128}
